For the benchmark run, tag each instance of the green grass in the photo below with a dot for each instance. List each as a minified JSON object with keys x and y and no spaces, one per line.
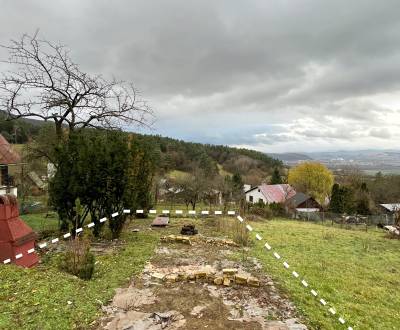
{"x":38,"y":222}
{"x":38,"y":298}
{"x":176,"y":174}
{"x":355,"y":272}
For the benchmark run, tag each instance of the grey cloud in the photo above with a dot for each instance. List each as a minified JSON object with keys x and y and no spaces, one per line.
{"x":263,"y":62}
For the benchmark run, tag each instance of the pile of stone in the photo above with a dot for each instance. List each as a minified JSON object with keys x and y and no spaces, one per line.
{"x":176,"y":239}
{"x":228,"y":277}
{"x":220,"y":241}
{"x":189,"y":230}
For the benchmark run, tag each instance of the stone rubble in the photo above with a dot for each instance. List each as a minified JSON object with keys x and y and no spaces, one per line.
{"x":245,"y":299}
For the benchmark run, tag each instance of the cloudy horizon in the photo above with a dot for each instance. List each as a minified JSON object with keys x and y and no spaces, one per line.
{"x":276,"y":76}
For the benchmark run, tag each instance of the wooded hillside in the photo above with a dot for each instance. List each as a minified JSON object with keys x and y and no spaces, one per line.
{"x":173,"y":154}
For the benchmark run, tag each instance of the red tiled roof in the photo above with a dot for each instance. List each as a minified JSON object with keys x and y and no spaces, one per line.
{"x":7,"y":154}
{"x":277,"y":193}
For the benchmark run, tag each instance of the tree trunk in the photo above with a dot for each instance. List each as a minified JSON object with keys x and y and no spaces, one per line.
{"x":59,"y":132}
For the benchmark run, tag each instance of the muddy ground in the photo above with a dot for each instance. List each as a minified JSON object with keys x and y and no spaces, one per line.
{"x":177,"y":289}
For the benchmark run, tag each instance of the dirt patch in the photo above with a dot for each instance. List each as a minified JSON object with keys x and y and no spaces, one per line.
{"x":165,"y":297}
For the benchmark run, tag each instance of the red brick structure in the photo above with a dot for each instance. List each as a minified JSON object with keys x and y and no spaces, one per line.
{"x":17,"y":239}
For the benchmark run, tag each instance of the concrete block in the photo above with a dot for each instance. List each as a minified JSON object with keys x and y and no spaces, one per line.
{"x":171,"y":278}
{"x":227,"y":281}
{"x":157,"y":276}
{"x":229,"y":271}
{"x":200,"y":274}
{"x":252,"y":281}
{"x":240,"y":279}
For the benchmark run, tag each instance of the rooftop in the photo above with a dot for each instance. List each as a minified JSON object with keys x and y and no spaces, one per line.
{"x":8,"y":155}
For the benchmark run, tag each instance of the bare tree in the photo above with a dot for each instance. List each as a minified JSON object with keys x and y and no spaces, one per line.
{"x":45,"y":83}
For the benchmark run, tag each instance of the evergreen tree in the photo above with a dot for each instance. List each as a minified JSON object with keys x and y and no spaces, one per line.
{"x":276,"y":177}
{"x":106,"y":172}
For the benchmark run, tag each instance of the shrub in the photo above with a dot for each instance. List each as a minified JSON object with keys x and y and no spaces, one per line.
{"x":262,"y":211}
{"x":78,"y":260}
{"x":277,"y":209}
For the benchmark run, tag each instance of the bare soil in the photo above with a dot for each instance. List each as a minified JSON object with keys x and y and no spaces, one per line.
{"x":153,"y":303}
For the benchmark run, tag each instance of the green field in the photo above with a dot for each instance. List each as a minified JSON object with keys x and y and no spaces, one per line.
{"x":38,"y":222}
{"x":38,"y":298}
{"x":355,"y":272}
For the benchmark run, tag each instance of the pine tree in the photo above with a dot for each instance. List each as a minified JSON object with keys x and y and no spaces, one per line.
{"x":276,"y":177}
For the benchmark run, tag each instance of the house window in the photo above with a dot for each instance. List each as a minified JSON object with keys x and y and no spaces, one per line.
{"x":251,"y":198}
{"x":258,"y":190}
{"x":260,"y":200}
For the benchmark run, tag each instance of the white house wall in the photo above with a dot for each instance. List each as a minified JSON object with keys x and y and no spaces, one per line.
{"x":257,"y":195}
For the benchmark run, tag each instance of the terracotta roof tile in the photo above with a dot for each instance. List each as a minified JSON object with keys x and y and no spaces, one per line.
{"x":7,"y":154}
{"x":277,"y":193}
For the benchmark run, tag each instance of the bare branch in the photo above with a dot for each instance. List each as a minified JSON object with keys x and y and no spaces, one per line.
{"x":44,"y":82}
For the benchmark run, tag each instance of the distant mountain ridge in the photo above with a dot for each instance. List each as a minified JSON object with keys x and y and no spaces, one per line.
{"x":290,"y":156}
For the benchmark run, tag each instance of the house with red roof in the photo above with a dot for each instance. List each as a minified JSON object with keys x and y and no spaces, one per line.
{"x":270,"y":193}
{"x":9,"y":158}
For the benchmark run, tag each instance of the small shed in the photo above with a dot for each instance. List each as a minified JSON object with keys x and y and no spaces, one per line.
{"x":390,"y":208}
{"x":303,"y":203}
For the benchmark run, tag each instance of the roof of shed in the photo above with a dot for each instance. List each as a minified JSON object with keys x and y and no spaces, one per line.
{"x":7,"y":154}
{"x":391,"y":207}
{"x":298,"y":199}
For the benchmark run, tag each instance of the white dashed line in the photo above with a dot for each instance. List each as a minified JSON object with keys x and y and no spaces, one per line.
{"x":276,"y":255}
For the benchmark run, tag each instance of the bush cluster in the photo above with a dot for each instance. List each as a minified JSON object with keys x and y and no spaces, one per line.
{"x":78,"y":260}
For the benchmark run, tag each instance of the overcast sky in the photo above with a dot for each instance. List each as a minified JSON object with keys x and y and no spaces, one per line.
{"x":274,"y":76}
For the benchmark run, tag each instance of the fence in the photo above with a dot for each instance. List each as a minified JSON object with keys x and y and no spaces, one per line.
{"x":348,"y":221}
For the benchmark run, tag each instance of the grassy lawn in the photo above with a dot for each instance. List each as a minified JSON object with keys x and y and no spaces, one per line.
{"x":38,"y":222}
{"x":356,"y":272}
{"x":38,"y":298}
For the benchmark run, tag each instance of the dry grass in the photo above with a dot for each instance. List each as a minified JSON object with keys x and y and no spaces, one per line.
{"x":234,"y":229}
